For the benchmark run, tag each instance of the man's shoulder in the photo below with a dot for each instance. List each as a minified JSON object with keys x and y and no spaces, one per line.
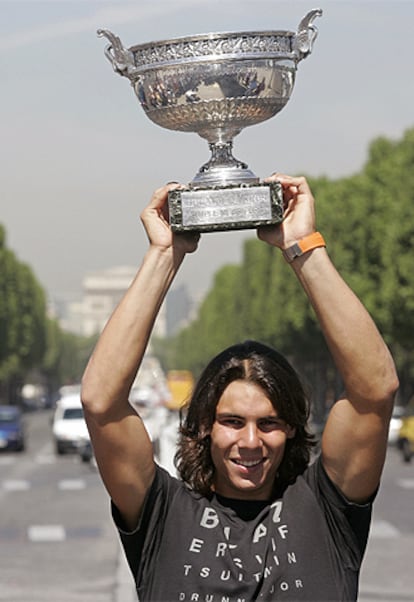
{"x":171,"y":486}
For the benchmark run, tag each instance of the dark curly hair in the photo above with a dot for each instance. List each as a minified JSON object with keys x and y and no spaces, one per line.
{"x":259,"y":364}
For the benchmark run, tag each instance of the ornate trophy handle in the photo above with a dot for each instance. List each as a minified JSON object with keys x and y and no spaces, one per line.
{"x":120,"y":58}
{"x":306,"y":34}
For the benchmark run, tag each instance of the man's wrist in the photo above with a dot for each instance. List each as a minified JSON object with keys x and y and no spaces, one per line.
{"x":304,"y":245}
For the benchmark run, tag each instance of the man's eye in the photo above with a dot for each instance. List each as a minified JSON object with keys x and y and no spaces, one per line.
{"x":232,"y":422}
{"x":270,"y":425}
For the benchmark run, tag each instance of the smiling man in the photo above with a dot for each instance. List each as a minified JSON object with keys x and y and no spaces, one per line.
{"x":248,"y":441}
{"x":251,"y":518}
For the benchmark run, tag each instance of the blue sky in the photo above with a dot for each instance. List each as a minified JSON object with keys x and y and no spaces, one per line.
{"x":79,"y":158}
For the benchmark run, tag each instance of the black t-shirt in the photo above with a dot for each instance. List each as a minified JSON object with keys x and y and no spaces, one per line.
{"x":306,"y":545}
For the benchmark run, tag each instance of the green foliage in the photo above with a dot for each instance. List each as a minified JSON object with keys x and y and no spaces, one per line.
{"x":368,"y":223}
{"x":66,"y":355}
{"x":22,"y":316}
{"x":219,"y":318}
{"x":29,"y":341}
{"x":370,"y":231}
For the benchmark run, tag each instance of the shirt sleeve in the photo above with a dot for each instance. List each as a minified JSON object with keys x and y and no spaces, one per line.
{"x":142,"y":542}
{"x":349,"y":522}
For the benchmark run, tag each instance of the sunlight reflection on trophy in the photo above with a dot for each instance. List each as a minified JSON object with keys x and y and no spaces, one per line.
{"x":215,"y":85}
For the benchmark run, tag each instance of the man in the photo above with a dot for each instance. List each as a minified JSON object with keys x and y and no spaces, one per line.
{"x":251,"y":520}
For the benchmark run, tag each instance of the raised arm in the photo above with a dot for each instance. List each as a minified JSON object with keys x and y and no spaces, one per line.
{"x":121,"y":445}
{"x":355,"y":437}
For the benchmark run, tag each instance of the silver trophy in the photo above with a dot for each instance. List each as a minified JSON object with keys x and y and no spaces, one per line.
{"x":216,"y":84}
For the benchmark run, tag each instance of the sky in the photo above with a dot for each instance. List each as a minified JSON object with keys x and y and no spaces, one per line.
{"x":79,"y":159}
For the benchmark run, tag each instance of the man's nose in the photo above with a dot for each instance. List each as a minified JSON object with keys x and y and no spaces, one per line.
{"x":250,"y":436}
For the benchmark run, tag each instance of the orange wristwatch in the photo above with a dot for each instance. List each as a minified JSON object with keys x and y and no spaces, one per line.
{"x":303,"y":246}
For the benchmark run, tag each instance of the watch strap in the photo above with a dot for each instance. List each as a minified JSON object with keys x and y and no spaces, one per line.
{"x":306,"y":244}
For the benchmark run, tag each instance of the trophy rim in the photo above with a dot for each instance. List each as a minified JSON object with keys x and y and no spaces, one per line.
{"x":281,"y":44}
{"x":212,"y":36}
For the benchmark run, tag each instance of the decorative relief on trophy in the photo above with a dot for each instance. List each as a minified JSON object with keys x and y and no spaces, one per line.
{"x":215,"y":85}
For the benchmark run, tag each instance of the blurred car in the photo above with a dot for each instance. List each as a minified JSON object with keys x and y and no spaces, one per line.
{"x":12,"y":435}
{"x":395,"y":424}
{"x":68,"y":426}
{"x":406,"y":437}
{"x":85,"y":451}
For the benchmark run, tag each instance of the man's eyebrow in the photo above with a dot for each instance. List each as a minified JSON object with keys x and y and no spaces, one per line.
{"x":235,"y":415}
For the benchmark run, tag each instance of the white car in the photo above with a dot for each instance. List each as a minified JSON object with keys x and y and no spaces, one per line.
{"x":395,"y":424}
{"x":69,"y":427}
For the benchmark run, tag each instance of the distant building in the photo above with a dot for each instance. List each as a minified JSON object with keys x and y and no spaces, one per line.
{"x":102,"y":291}
{"x":67,"y":309}
{"x":178,"y":309}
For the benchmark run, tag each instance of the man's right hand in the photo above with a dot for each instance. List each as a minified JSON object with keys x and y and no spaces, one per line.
{"x":155,"y":219}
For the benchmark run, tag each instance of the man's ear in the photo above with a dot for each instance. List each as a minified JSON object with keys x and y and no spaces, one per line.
{"x":290,"y":431}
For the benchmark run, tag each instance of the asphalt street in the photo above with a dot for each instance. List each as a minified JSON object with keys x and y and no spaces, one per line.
{"x":58,"y":544}
{"x":387,"y":572}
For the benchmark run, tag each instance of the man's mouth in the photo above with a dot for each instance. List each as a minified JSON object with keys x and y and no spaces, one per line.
{"x":248,"y":463}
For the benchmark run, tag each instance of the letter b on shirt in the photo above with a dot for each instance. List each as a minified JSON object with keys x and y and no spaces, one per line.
{"x":209,"y":520}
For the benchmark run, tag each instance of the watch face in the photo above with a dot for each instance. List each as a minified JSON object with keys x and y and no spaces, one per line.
{"x":292,"y":252}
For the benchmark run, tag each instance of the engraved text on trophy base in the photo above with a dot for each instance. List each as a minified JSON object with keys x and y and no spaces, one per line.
{"x":225,"y":208}
{"x":218,"y":206}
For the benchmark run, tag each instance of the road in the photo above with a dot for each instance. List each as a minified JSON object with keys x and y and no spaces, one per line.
{"x":387,"y":572}
{"x":57,"y":542}
{"x":56,"y":539}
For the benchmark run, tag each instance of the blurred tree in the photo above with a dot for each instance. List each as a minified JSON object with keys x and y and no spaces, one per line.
{"x":22,"y":320}
{"x":368,"y":222}
{"x":66,"y":356}
{"x":218,"y":324}
{"x":30,"y":342}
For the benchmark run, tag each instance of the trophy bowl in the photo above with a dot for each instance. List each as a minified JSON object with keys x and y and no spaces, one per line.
{"x":215,"y":85}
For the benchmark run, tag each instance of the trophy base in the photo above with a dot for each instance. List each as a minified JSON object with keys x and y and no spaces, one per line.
{"x":229,"y":207}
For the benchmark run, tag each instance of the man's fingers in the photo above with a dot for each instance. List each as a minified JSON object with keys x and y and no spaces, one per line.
{"x":285,"y":180}
{"x":299,"y":182}
{"x":159,"y":196}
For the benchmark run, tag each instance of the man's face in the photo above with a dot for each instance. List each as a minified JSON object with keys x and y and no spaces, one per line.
{"x":247,"y":442}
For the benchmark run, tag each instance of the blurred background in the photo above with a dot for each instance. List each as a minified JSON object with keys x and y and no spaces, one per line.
{"x":79,"y":160}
